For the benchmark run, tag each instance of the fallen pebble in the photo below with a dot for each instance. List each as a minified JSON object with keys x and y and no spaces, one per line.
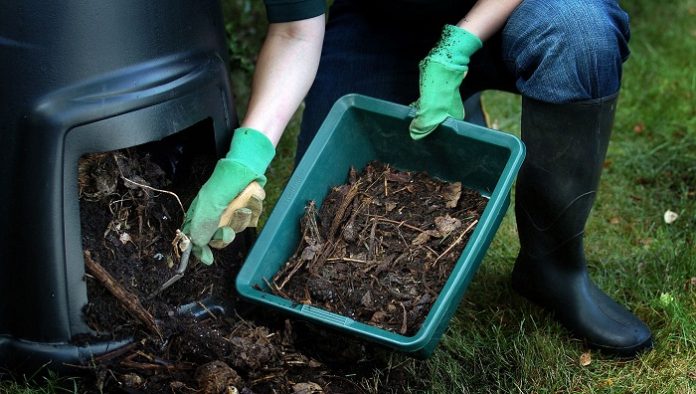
{"x":670,"y":216}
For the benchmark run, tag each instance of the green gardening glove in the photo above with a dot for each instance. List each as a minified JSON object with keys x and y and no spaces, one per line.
{"x":250,"y":154}
{"x":441,"y":73}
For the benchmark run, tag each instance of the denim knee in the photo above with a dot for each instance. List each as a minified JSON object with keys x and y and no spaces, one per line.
{"x":562,"y":51}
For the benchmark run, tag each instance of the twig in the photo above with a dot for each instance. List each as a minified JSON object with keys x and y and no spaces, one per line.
{"x":275,"y":289}
{"x":242,"y":321}
{"x":290,"y":275}
{"x":428,"y":249}
{"x":206,"y":290}
{"x":155,"y":239}
{"x":156,"y":367}
{"x":78,"y":366}
{"x":320,"y":258}
{"x":346,"y":259}
{"x":128,"y":300}
{"x":208,"y":311}
{"x":404,"y":325}
{"x":118,"y":165}
{"x":371,"y":252}
{"x":449,"y":248}
{"x":398,"y":190}
{"x":157,"y":190}
{"x":402,"y":223}
{"x":379,"y":178}
{"x":266,"y":378}
{"x":145,"y":355}
{"x":118,"y":352}
{"x":341,"y":211}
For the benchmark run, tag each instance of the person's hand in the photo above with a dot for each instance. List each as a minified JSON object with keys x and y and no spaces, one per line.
{"x":250,"y":154}
{"x":441,"y":74}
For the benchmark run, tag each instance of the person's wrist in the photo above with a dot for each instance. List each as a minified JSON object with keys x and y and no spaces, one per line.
{"x":251,"y":148}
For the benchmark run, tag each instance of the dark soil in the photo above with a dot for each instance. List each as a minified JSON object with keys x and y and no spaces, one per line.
{"x":381,"y":247}
{"x":210,"y":340}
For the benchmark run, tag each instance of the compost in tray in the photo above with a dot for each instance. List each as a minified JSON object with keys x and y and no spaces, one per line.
{"x":381,"y":247}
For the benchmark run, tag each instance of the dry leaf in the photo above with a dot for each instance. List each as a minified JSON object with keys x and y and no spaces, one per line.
{"x":378,"y":317}
{"x":358,"y":256}
{"x":608,"y":382}
{"x":349,"y":232}
{"x":390,"y":206}
{"x":639,"y":128}
{"x":421,"y":239}
{"x":124,"y":238}
{"x":309,"y":252}
{"x":307,"y":388}
{"x":585,"y":359}
{"x":366,"y":300}
{"x":314,"y":363}
{"x":452,"y":193}
{"x":177,"y":385}
{"x":646,"y":241}
{"x":690,"y":283}
{"x":670,"y":216}
{"x":641,"y":266}
{"x":132,"y":380}
{"x":447,"y":224}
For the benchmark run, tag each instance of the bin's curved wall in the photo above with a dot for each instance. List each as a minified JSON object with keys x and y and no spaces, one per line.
{"x":78,"y":64}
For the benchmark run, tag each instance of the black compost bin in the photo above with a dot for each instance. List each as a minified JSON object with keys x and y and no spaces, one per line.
{"x":79,"y":77}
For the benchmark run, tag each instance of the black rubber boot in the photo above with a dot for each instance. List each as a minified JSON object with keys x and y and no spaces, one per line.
{"x":556,"y":187}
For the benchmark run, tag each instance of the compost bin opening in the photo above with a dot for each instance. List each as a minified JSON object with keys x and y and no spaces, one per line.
{"x":132,"y":201}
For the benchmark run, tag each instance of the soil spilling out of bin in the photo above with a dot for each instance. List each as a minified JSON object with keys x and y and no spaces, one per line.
{"x":129,"y":215}
{"x":381,"y":247}
{"x":130,"y":210}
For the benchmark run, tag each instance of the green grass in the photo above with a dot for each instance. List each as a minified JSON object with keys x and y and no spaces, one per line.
{"x":498,"y":342}
{"x":49,"y":384}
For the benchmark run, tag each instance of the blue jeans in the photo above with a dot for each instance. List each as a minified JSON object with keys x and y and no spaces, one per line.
{"x":556,"y":51}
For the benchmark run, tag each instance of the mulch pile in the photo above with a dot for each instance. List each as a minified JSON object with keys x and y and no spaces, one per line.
{"x":381,"y":247}
{"x":390,"y":236}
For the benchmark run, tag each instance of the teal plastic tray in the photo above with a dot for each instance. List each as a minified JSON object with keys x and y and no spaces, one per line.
{"x":360,"y":129}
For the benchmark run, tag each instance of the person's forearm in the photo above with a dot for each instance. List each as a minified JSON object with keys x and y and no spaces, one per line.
{"x":285,"y":70}
{"x":487,"y":17}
